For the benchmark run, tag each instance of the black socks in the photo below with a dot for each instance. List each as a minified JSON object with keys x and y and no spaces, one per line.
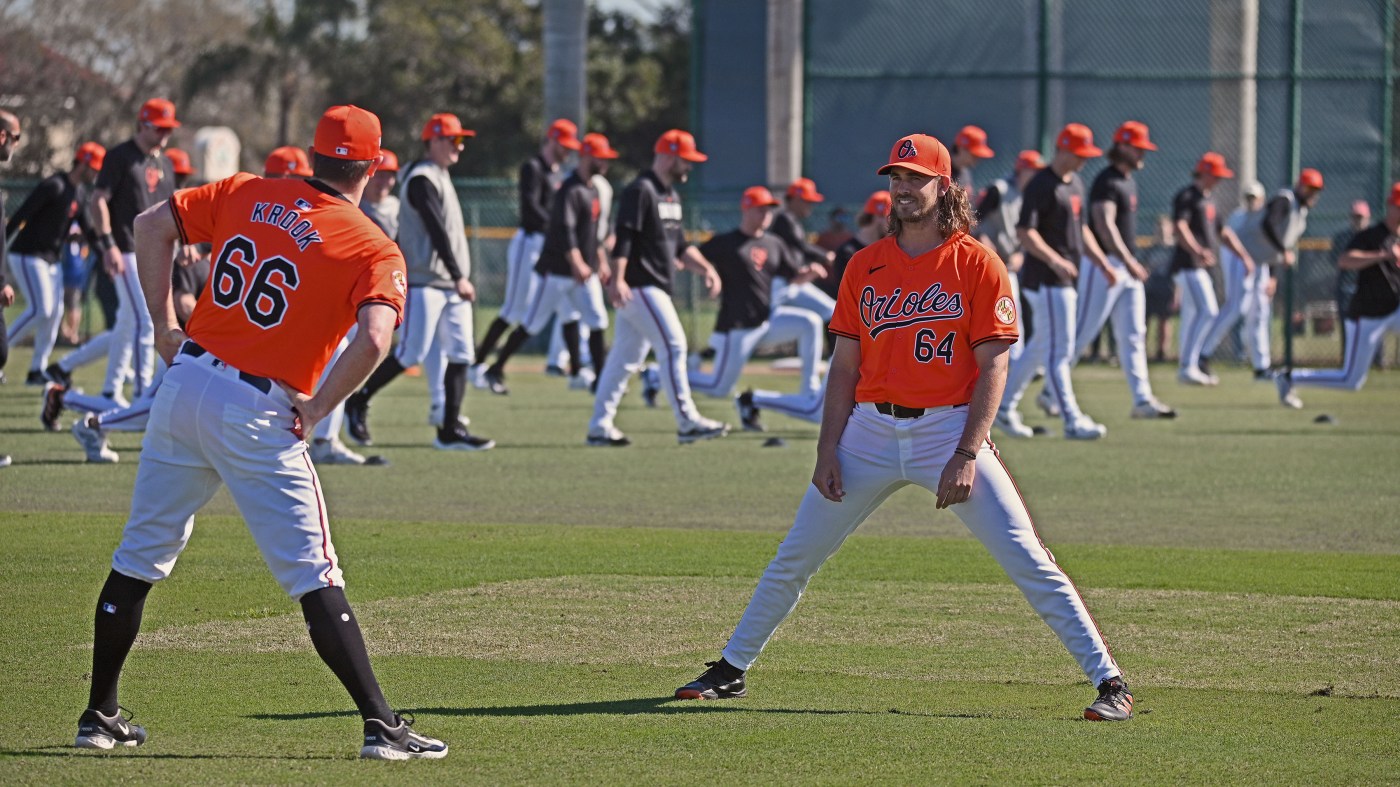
{"x":385,"y":374}
{"x":493,"y":335}
{"x":336,"y":635}
{"x":117,"y":622}
{"x":454,"y":385}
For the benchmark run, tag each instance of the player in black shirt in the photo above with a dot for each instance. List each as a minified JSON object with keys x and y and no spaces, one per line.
{"x":871,"y":225}
{"x":37,"y":232}
{"x":801,"y":197}
{"x":1374,"y":253}
{"x":651,"y":243}
{"x":1199,"y":232}
{"x":1113,"y":201}
{"x":572,"y":267}
{"x":747,"y":260}
{"x":1057,"y":244}
{"x":536,"y":195}
{"x":9,"y":138}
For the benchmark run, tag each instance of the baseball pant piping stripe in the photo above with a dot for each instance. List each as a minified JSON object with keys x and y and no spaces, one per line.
{"x":795,"y":411}
{"x":138,"y":410}
{"x":1051,"y":555}
{"x":138,"y":386}
{"x":662,"y":348}
{"x":1344,"y":374}
{"x":1050,"y":360}
{"x":321,"y":513}
{"x":31,"y":301}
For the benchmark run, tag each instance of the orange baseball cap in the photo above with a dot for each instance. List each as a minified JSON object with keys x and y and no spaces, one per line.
{"x":1213,"y":163}
{"x":1134,"y":134}
{"x":91,"y":154}
{"x":565,"y":132}
{"x":445,"y":124}
{"x":1079,"y":140}
{"x":288,"y":160}
{"x":348,"y":132}
{"x":596,"y":146}
{"x":974,"y":140}
{"x":388,"y":162}
{"x":160,"y":113}
{"x":755,"y":196}
{"x":1395,"y":194}
{"x":180,"y":161}
{"x":805,"y":190}
{"x":680,"y":143}
{"x":1029,"y":159}
{"x":1311,"y":177}
{"x":879,"y":204}
{"x":920,"y":153}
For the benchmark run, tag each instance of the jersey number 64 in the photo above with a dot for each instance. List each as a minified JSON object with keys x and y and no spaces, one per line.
{"x":927,"y":346}
{"x":264,"y":298}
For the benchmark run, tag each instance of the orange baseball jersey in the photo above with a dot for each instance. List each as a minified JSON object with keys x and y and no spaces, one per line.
{"x":293,"y":264}
{"x":917,"y":319}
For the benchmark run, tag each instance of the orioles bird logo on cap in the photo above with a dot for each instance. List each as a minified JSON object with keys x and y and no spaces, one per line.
{"x":907,"y":150}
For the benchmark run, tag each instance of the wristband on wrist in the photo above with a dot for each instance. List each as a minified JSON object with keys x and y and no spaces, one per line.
{"x":105,"y":241}
{"x":960,"y":451}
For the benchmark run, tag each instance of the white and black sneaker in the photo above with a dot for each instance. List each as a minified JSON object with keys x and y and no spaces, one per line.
{"x":94,"y":442}
{"x":457,"y":438}
{"x":748,"y":412}
{"x":609,"y":438}
{"x":703,"y":429}
{"x":401,"y":742}
{"x":96,"y":731}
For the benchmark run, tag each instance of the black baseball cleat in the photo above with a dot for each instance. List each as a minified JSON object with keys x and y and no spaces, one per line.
{"x":496,"y":382}
{"x":56,"y":374}
{"x":720,"y":682}
{"x":609,"y":439}
{"x":458,"y":438}
{"x":357,"y":419}
{"x":96,"y":731}
{"x":1114,"y":702}
{"x":35,"y":378}
{"x":748,"y":413}
{"x":53,"y":406}
{"x":400,"y":742}
{"x":704,"y":429}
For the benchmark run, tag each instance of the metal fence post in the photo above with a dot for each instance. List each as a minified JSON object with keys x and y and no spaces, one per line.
{"x":1388,"y":97}
{"x":1295,"y":132}
{"x":1042,"y":93}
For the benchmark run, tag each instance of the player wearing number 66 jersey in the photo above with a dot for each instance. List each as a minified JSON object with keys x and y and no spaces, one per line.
{"x":297,"y":264}
{"x":924,"y":317}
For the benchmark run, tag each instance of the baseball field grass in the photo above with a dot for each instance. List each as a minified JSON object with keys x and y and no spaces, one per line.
{"x":536,"y":605}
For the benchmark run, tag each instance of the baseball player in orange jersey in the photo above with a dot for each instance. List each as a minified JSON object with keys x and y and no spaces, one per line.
{"x":297,"y":264}
{"x":924,"y":317}
{"x":287,"y":162}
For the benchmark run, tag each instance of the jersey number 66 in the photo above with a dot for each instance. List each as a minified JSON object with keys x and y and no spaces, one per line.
{"x":264,"y":299}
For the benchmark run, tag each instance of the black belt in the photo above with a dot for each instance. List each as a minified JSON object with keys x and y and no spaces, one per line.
{"x":261,"y":383}
{"x":899,"y":410}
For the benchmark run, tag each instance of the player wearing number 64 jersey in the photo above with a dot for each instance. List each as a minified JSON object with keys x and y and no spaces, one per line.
{"x":297,"y":264}
{"x":924,"y":318}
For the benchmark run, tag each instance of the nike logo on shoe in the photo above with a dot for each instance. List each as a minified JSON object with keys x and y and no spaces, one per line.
{"x":415,"y":748}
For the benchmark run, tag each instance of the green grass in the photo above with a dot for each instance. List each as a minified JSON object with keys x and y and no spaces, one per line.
{"x":536,"y":605}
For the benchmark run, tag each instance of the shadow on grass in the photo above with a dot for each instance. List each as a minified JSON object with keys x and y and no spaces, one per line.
{"x":627,"y":707}
{"x":145,"y":754}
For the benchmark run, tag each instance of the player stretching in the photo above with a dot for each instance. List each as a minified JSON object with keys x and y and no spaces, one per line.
{"x":924,"y":319}
{"x":651,"y":244}
{"x":748,"y":259}
{"x":297,"y":265}
{"x":9,"y":140}
{"x":997,"y":211}
{"x":1374,"y":311}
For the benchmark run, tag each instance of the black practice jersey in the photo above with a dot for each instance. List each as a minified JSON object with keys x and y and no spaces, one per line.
{"x":135,"y":181}
{"x":831,"y":285}
{"x":573,"y":224}
{"x":789,"y":230}
{"x":1197,"y":209}
{"x":650,"y":232}
{"x":47,"y":215}
{"x":746,"y":266}
{"x":1054,"y":207}
{"x":1377,"y":286}
{"x":1112,"y":185}
{"x":535,"y":194}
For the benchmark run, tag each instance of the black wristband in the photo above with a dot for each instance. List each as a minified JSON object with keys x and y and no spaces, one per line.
{"x":960,"y":451}
{"x":106,"y":241}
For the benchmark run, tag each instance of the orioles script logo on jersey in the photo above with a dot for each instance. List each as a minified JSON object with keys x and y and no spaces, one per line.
{"x":899,"y":309}
{"x":285,"y":218}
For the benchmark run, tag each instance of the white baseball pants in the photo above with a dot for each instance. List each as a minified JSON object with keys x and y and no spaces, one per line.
{"x":1016,"y":348}
{"x":879,"y":455}
{"x":1364,"y":337}
{"x":87,"y":352}
{"x":1198,"y":311}
{"x":1126,"y":304}
{"x":521,"y":256}
{"x":1051,"y":346}
{"x":330,"y":426}
{"x":136,"y":416}
{"x":430,"y":314}
{"x":563,"y":296}
{"x":132,"y":353}
{"x":734,"y":348}
{"x":802,"y":296}
{"x":209,"y":426}
{"x":647,"y":322}
{"x":1247,"y":296}
{"x":41,"y":282}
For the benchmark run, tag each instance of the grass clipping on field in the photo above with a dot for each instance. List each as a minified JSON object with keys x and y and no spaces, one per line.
{"x":900,"y":630}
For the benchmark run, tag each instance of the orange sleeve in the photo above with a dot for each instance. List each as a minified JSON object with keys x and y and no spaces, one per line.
{"x":383,"y":281}
{"x":845,"y":321}
{"x":993,"y":308}
{"x":196,"y":209}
